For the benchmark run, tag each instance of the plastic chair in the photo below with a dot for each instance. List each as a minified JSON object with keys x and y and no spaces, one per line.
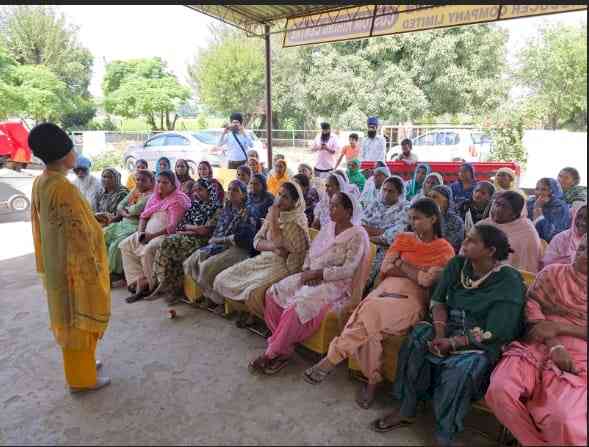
{"x":192,"y":290}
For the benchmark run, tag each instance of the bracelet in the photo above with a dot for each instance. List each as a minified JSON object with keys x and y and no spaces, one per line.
{"x":555,"y":347}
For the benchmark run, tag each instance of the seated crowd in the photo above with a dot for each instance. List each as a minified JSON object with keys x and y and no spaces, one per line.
{"x":437,"y":263}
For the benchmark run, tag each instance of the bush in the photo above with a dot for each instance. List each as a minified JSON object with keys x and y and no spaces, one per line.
{"x":506,"y":127}
{"x":111,"y":158}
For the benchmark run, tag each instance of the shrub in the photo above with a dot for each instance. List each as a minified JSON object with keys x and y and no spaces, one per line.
{"x":111,"y":158}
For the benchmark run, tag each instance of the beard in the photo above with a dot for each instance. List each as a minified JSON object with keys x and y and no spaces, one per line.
{"x":371,"y":133}
{"x":325,"y":137}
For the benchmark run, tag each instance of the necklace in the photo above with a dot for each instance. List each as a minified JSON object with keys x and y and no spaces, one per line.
{"x":469,"y":283}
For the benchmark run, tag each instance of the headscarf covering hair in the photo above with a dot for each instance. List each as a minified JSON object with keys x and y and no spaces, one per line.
{"x":470,"y":167}
{"x":355,"y":175}
{"x":357,"y":211}
{"x":297,"y":214}
{"x":414,"y":187}
{"x":563,"y":247}
{"x":555,"y":188}
{"x":200,"y":212}
{"x":82,"y":163}
{"x":446,"y":192}
{"x":575,"y":193}
{"x":141,"y":161}
{"x":508,"y":171}
{"x":306,"y":166}
{"x":239,"y":184}
{"x":397,"y":182}
{"x":186,"y":177}
{"x":49,"y":142}
{"x":258,"y":204}
{"x":157,"y":165}
{"x":488,"y":185}
{"x":176,"y":197}
{"x":135,"y":195}
{"x":274,"y":182}
{"x":384,"y":170}
{"x":245,"y":169}
{"x":116,"y":176}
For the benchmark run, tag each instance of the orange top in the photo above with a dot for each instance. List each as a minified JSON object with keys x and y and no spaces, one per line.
{"x":350,"y":152}
{"x":422,"y":254}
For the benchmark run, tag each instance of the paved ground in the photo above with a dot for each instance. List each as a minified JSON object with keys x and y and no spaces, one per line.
{"x":182,"y":381}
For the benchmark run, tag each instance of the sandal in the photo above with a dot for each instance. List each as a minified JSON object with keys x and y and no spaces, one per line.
{"x":137,"y":297}
{"x":275,"y":365}
{"x":244,"y":321}
{"x":380,"y":425}
{"x":132,"y":288}
{"x":362,"y":398}
{"x":258,"y":365}
{"x":315,"y":375}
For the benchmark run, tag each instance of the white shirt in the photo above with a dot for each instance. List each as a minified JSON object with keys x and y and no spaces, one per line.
{"x":373,"y":149}
{"x":89,"y":186}
{"x":233,"y":149}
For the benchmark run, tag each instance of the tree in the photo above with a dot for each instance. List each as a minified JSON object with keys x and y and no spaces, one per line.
{"x":229,"y":74}
{"x":40,"y":36}
{"x":144,"y":87}
{"x":554,"y":70}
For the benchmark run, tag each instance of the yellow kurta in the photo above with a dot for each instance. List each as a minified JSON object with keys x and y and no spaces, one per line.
{"x":72,"y":260}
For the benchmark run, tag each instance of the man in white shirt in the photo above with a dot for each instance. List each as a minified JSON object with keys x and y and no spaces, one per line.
{"x":327,"y":144}
{"x":406,"y":155}
{"x":373,"y":147}
{"x":236,"y":141}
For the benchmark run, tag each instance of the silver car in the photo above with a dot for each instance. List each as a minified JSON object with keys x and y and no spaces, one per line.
{"x":193,"y":147}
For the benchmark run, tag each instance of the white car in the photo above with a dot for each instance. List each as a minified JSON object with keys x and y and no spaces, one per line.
{"x":193,"y":147}
{"x":449,"y":145}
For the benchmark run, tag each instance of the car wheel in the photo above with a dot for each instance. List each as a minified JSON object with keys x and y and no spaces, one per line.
{"x":19,"y":203}
{"x":130,"y":164}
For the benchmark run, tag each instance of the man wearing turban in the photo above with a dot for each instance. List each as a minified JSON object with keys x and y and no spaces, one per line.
{"x":373,"y":146}
{"x":236,"y":141}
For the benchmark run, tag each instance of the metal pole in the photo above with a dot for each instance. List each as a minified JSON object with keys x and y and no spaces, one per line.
{"x":268,"y":94}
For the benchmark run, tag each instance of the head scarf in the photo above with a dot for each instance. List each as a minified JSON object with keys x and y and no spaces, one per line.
{"x":187,"y":176}
{"x":306,"y":166}
{"x":136,"y":195}
{"x":382,"y":170}
{"x":157,"y":165}
{"x":470,"y":167}
{"x":402,"y":195}
{"x":49,"y":142}
{"x":258,"y":167}
{"x":555,"y":189}
{"x":489,"y":185}
{"x":258,"y":204}
{"x":446,"y":192}
{"x":275,"y":182}
{"x":575,"y":193}
{"x":107,"y":201}
{"x":158,"y":203}
{"x":414,"y":187}
{"x":355,"y":175}
{"x":563,"y":247}
{"x":200,"y":212}
{"x":297,"y":215}
{"x":511,"y":173}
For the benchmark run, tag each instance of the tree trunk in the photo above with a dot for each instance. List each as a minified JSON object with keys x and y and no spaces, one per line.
{"x":161,"y":121}
{"x":151,"y":121}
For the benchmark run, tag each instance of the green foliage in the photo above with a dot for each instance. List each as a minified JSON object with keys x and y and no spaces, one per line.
{"x":144,"y":88}
{"x":106,"y":125}
{"x":112,"y":158}
{"x":229,"y":74}
{"x":405,"y":77}
{"x":554,"y":69}
{"x":202,"y":122}
{"x":43,"y":49}
{"x":507,"y":125}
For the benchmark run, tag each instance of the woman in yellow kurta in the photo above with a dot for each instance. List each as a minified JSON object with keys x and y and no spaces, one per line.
{"x":71,"y":259}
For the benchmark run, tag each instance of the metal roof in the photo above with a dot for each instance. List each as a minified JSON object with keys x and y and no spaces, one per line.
{"x":311,"y":24}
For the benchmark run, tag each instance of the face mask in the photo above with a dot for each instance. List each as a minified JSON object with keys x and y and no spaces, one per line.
{"x":371,"y":133}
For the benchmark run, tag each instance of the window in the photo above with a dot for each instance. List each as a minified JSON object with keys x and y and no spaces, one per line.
{"x":176,"y":140}
{"x":155,"y":141}
{"x":427,"y":139}
{"x":208,"y":137}
{"x":440,"y":138}
{"x":452,"y":138}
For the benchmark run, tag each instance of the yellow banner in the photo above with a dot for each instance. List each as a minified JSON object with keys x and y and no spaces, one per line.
{"x":381,"y":20}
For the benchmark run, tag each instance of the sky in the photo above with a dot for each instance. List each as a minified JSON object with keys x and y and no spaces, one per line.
{"x":175,"y":33}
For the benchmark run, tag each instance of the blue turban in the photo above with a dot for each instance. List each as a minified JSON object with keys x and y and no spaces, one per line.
{"x":83,"y":163}
{"x":373,"y":121}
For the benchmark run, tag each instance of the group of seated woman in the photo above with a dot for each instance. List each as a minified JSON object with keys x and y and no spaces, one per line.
{"x":456,"y":294}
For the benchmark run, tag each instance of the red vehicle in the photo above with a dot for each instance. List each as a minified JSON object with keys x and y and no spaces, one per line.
{"x":449,"y":170}
{"x":14,"y":144}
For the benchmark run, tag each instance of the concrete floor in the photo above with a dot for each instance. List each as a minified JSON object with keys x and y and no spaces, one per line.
{"x":182,"y":381}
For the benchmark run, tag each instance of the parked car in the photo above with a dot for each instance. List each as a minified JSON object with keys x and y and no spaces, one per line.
{"x":449,"y":145}
{"x":193,"y":146}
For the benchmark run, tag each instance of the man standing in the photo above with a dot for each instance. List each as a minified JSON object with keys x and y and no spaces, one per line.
{"x":406,"y":155}
{"x":373,"y":147}
{"x":236,"y":141}
{"x":327,"y":145}
{"x":71,"y":259}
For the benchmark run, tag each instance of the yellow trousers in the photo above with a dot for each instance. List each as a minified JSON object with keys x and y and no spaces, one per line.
{"x":80,"y":365}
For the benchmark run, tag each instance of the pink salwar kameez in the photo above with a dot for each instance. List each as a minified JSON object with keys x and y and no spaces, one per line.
{"x":529,"y":394}
{"x":294,"y":311}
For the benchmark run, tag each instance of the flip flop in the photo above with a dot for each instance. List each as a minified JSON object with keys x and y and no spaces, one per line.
{"x":315,"y":375}
{"x":275,"y":365}
{"x":137,"y":297}
{"x":258,"y":365}
{"x":361,"y":400}
{"x":379,"y":427}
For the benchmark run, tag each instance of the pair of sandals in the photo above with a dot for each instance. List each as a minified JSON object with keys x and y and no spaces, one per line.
{"x":137,"y":295}
{"x":268,"y":367}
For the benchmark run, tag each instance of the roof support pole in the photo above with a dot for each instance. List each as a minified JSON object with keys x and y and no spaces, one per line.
{"x":268,"y":93}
